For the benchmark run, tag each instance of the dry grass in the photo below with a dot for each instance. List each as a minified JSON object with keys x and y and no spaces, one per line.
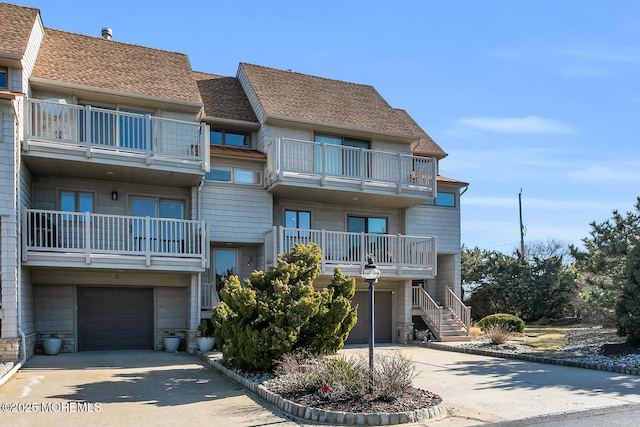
{"x":498,"y":333}
{"x":474,"y":332}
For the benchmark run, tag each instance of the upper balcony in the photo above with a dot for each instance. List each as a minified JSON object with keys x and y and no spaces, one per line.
{"x":325,"y":172}
{"x":89,"y":240}
{"x":99,"y":143}
{"x":396,"y":255}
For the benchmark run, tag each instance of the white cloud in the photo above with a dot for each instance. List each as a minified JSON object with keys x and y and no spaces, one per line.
{"x":605,"y":54}
{"x":623,"y":172}
{"x":529,"y":203}
{"x":528,"y":124}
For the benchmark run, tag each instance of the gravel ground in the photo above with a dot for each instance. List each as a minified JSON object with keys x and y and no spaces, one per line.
{"x":585,"y":343}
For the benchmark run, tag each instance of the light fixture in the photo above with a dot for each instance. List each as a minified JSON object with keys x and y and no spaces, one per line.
{"x":370,"y":274}
{"x":114,"y":195}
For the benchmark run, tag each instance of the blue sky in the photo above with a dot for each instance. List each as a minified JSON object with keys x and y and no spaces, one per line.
{"x":542,"y":95}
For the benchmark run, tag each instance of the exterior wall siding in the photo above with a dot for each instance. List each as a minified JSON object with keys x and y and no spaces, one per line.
{"x":45,"y":194}
{"x":31,"y":53}
{"x":236,"y":213}
{"x":441,"y":222}
{"x":334,"y":217}
{"x":55,"y":309}
{"x":251,"y":95}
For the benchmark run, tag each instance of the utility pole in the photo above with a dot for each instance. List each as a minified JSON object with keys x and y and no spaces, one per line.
{"x":521,"y":226}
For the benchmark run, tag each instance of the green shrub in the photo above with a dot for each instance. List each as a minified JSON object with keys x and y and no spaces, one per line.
{"x":514,"y":323}
{"x":280,"y":312}
{"x":628,"y":305}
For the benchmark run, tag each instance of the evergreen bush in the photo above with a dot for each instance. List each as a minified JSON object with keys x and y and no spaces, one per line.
{"x":514,"y":323}
{"x":279,"y":312}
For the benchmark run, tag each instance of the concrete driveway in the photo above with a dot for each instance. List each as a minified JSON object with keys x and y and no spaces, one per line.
{"x":147,"y":388}
{"x":483,"y":390}
{"x":126,"y":388}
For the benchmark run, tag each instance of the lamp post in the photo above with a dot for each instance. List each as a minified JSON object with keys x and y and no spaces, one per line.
{"x":370,"y":274}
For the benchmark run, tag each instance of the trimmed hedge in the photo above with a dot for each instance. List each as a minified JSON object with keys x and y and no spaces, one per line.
{"x":514,"y":323}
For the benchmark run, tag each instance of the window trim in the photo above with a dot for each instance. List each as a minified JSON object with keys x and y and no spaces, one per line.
{"x":233,"y":175}
{"x":246,"y":141}
{"x":5,"y":71}
{"x":434,"y":201}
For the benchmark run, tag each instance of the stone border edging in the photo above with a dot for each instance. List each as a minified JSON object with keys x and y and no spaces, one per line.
{"x":326,"y":416}
{"x":531,"y":358}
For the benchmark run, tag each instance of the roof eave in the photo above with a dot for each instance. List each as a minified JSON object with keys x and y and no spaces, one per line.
{"x":231,"y":122}
{"x":11,"y":59}
{"x":74,"y":86}
{"x":341,"y":127}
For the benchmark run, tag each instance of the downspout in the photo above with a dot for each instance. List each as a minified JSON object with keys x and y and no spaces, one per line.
{"x":466,"y":187}
{"x":23,"y":338}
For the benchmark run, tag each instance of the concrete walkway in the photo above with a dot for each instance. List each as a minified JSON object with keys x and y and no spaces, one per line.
{"x":146,"y":388}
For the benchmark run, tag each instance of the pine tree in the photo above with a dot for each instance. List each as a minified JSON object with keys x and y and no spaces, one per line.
{"x":628,"y":306}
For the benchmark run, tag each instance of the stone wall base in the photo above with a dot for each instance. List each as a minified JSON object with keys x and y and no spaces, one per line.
{"x":404,"y":333}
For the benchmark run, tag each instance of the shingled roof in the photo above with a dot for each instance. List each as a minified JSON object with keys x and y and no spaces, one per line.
{"x":17,"y":23}
{"x":334,"y":102}
{"x":107,"y":64}
{"x":224,"y":97}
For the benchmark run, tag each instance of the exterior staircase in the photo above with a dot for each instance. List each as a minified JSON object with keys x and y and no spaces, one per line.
{"x":449,"y":323}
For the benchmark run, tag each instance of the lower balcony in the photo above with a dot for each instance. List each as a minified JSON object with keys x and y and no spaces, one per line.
{"x":89,"y":240}
{"x":396,"y":255}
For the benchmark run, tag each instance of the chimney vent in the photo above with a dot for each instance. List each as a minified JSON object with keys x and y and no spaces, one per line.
{"x":107,"y":33}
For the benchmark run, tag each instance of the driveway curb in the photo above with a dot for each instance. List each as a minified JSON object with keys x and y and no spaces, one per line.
{"x":531,"y":358}
{"x":324,"y":416}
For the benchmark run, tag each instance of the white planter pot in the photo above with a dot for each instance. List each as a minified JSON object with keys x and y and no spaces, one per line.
{"x":206,"y":343}
{"x":51,"y":346}
{"x":171,"y":344}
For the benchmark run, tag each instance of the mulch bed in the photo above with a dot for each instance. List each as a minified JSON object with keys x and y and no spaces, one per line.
{"x":618,"y":349}
{"x":410,"y":400}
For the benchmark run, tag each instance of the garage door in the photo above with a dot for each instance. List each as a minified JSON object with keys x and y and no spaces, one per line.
{"x":115,"y":318}
{"x":383,"y":318}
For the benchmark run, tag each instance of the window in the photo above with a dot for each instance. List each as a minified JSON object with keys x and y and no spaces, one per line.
{"x":225,"y":261}
{"x":297,"y":219}
{"x":221,"y":137}
{"x":339,"y":160}
{"x":164,"y":236}
{"x":76,"y":201}
{"x":123,"y":127}
{"x":236,"y":175}
{"x":4,"y":78}
{"x":443,"y":199}
{"x":218,"y":174}
{"x":373,"y":245}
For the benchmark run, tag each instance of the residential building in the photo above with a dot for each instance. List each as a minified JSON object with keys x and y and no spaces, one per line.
{"x":133,"y":185}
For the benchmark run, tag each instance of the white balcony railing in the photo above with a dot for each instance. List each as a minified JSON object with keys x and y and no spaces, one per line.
{"x":92,"y":234}
{"x":92,"y":128}
{"x":328,"y":163}
{"x":344,"y":249}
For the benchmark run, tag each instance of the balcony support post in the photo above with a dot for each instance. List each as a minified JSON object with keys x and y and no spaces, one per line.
{"x":147,"y":238}
{"x":88,"y":140}
{"x":87,"y":238}
{"x":148,"y":140}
